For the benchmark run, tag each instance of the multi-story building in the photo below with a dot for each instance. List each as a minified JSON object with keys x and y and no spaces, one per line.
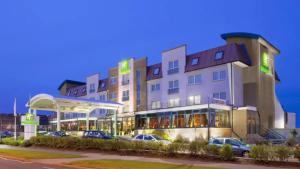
{"x":223,"y":91}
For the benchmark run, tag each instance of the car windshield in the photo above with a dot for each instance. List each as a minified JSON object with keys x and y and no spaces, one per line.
{"x":157,"y":137}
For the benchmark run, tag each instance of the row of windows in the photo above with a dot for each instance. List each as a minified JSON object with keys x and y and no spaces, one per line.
{"x":191,"y":100}
{"x":183,"y":119}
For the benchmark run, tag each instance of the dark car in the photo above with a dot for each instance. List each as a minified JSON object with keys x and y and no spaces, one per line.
{"x":96,"y":134}
{"x":238,"y":147}
{"x":57,"y":134}
{"x":5,"y":134}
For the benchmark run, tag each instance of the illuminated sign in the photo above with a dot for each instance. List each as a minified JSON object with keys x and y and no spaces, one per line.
{"x":264,"y":67}
{"x":124,"y":67}
{"x":29,"y":119}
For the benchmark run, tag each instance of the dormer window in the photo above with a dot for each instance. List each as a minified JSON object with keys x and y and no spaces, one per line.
{"x":195,"y":61}
{"x":102,"y":85}
{"x":156,"y":71}
{"x":219,"y":55}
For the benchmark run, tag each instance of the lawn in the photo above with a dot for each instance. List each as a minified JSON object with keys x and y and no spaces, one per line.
{"x":26,"y":154}
{"x":129,"y":164}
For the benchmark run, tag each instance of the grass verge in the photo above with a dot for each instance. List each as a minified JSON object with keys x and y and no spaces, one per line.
{"x":26,"y":154}
{"x":129,"y":164}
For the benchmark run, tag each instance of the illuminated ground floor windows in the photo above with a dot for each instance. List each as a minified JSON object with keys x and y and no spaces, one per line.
{"x":184,"y":119}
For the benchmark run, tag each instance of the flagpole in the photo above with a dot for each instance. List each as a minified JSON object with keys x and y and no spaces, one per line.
{"x":15,"y":114}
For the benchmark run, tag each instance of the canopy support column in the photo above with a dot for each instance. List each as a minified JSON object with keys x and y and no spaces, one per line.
{"x":58,"y":120}
{"x":115,"y":122}
{"x":88,"y":121}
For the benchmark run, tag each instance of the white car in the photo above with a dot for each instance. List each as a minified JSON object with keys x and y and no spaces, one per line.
{"x":150,"y":137}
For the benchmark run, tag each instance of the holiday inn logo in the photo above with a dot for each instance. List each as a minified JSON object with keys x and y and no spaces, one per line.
{"x":124,"y":67}
{"x":264,"y":67}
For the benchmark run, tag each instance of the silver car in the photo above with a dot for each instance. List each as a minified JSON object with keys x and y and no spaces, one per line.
{"x":150,"y":137}
{"x":238,"y":147}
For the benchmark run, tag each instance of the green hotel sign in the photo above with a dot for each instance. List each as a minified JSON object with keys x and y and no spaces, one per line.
{"x":29,"y":120}
{"x":124,"y":67}
{"x":264,"y":67}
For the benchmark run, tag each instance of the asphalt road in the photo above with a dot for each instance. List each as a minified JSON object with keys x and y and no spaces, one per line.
{"x":16,"y":164}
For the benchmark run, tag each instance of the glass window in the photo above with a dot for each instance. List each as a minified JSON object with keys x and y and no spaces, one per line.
{"x":215,"y":75}
{"x":197,"y":79}
{"x":174,"y":84}
{"x":181,"y":119}
{"x":191,"y":80}
{"x":113,"y":80}
{"x":219,"y":55}
{"x":125,"y":96}
{"x":200,"y":119}
{"x":139,"y":137}
{"x":197,"y":99}
{"x":148,"y":138}
{"x":153,"y":121}
{"x":195,"y":61}
{"x":223,"y":95}
{"x":173,"y":64}
{"x":156,"y":71}
{"x":92,"y":88}
{"x":216,"y":95}
{"x":222,"y":75}
{"x":176,"y":64}
{"x":155,"y":87}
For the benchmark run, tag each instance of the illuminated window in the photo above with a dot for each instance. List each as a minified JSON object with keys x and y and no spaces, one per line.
{"x":156,"y":71}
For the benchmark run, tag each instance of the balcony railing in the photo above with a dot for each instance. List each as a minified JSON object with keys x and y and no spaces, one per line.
{"x":173,"y":91}
{"x":173,"y":71}
{"x":125,"y":82}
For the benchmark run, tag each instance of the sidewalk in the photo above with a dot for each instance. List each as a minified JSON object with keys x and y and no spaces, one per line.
{"x":102,"y":156}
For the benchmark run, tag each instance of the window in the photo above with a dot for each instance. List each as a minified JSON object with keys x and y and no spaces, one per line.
{"x":219,"y":96}
{"x":155,"y":87}
{"x":113,"y":95}
{"x":113,"y":80}
{"x":125,"y":96}
{"x":155,"y":105}
{"x":139,"y":137}
{"x":102,"y":84}
{"x":138,"y":87}
{"x":194,"y":79}
{"x":173,"y":67}
{"x":192,"y":100}
{"x":148,"y":138}
{"x":173,"y":102}
{"x":219,"y":55}
{"x":219,"y":75}
{"x":173,"y":86}
{"x":195,"y":61}
{"x":125,"y":79}
{"x":92,"y":88}
{"x":156,"y":71}
{"x":102,"y":97}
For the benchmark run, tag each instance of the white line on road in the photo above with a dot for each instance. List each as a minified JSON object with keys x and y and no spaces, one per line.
{"x":24,"y":162}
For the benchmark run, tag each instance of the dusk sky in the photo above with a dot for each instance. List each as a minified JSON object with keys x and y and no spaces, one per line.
{"x":43,"y":43}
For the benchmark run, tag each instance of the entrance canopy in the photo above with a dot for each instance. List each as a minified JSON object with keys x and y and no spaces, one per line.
{"x":65,"y":104}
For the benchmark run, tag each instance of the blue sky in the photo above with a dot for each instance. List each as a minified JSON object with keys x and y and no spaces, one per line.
{"x":43,"y":43}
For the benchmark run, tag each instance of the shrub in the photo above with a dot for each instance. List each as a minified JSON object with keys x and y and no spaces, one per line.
{"x":282,"y":152}
{"x":297,"y":154}
{"x":161,"y":134}
{"x":213,"y":150}
{"x":291,"y":141}
{"x":226,"y":152}
{"x":198,"y":147}
{"x":174,"y":148}
{"x":259,"y":153}
{"x":12,"y":142}
{"x":181,"y":139}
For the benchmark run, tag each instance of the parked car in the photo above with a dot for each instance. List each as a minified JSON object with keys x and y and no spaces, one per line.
{"x":238,"y":147}
{"x":5,"y":134}
{"x":96,"y":134}
{"x":150,"y":137}
{"x":57,"y":134}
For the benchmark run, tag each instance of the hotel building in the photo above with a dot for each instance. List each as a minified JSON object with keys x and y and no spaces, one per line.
{"x":227,"y":91}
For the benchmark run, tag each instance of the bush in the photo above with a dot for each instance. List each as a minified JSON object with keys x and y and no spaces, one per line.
{"x":175,"y":147}
{"x":198,"y":147}
{"x":12,"y":142}
{"x":181,"y":139}
{"x":291,"y":141}
{"x":260,"y":153}
{"x":297,"y":154}
{"x":213,"y":150}
{"x":282,"y":152}
{"x":226,"y":152}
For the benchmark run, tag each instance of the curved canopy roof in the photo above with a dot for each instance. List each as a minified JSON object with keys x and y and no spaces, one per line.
{"x":69,"y":104}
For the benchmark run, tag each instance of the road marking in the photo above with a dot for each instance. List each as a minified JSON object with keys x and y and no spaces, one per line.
{"x":24,"y":162}
{"x":48,"y":168}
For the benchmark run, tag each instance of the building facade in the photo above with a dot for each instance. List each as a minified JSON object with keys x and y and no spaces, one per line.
{"x":224,"y":91}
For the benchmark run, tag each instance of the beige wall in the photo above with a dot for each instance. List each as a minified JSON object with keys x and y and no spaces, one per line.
{"x":141,"y":65}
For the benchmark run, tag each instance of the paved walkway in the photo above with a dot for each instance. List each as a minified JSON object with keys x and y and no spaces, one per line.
{"x":101,"y":156}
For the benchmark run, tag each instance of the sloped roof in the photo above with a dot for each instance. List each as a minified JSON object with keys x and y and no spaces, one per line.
{"x":231,"y":53}
{"x":150,"y":70}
